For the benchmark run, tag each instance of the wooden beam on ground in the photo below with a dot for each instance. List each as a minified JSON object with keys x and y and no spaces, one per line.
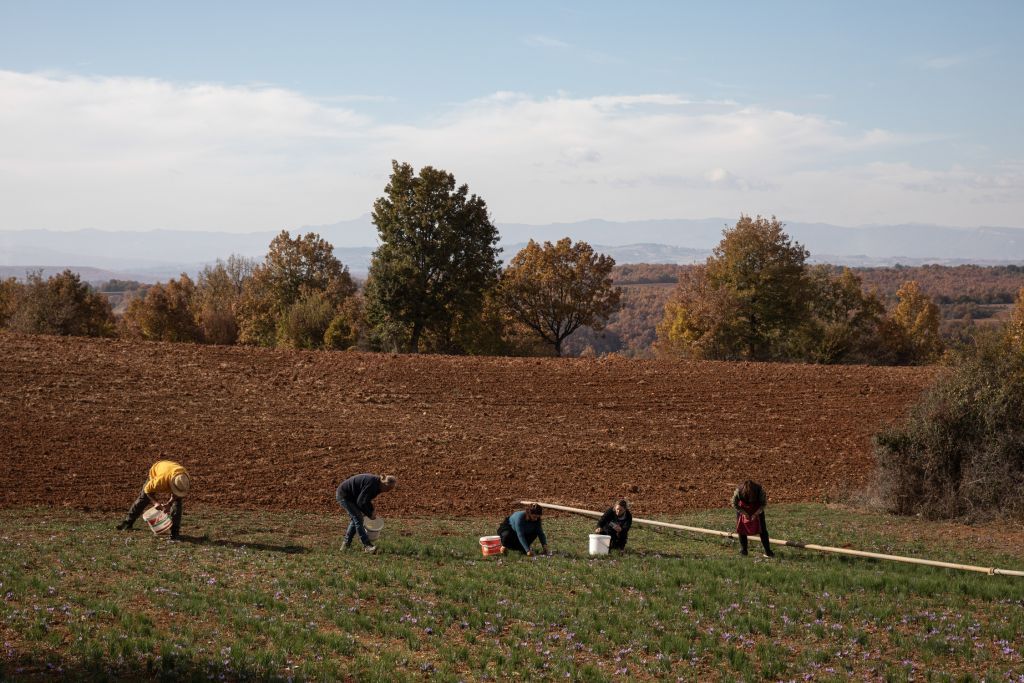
{"x":790,"y":544}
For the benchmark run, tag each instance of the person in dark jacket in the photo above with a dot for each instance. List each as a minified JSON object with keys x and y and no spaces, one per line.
{"x":750,"y":500}
{"x":356,"y":495}
{"x":519,"y":530}
{"x":615,"y":522}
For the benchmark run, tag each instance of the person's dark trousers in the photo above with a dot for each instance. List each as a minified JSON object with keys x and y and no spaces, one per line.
{"x":765,"y":542}
{"x":618,"y":539}
{"x":143,"y":502}
{"x":355,"y":524}
{"x":509,"y":537}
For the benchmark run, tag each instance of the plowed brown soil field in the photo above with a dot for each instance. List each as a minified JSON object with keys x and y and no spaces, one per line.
{"x":81,"y":420}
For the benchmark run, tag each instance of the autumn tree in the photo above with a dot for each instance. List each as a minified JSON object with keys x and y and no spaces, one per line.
{"x":554,"y":289}
{"x":436,"y":261}
{"x":287,"y":300}
{"x":165,"y":313}
{"x":218,"y":297}
{"x":747,"y":301}
{"x":61,"y":304}
{"x":701,"y":319}
{"x":912,"y":330}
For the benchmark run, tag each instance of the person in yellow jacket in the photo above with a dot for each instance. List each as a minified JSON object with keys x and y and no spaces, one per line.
{"x":167,"y":485}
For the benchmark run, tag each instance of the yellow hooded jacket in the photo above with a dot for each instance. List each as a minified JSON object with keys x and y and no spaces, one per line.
{"x":160,"y":476}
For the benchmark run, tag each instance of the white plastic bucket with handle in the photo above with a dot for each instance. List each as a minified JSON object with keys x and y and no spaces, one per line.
{"x":373,"y":528}
{"x":158,"y":520}
{"x":599,"y":544}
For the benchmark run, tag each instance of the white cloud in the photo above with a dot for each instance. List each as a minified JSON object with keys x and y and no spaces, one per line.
{"x":538,"y":40}
{"x":943,"y":62}
{"x":548,"y":43}
{"x":950,"y":61}
{"x":124,"y":153}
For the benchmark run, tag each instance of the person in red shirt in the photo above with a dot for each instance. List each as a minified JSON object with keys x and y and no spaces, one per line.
{"x":168,"y":483}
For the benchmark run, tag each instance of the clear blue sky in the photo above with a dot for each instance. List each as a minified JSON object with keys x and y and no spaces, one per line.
{"x":842,"y":112}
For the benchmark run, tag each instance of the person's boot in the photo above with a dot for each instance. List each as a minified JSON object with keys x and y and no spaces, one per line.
{"x":768,"y":552}
{"x":370,"y":549}
{"x":743,"y":548}
{"x":124,"y":525}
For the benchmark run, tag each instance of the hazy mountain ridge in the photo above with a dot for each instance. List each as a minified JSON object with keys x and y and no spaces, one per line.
{"x":161,"y":254}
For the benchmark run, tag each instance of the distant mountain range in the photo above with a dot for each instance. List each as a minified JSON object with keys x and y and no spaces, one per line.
{"x":161,"y":254}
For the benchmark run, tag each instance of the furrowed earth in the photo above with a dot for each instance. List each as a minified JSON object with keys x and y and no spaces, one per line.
{"x":82,"y":420}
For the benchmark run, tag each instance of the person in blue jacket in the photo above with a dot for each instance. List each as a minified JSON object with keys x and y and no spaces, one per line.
{"x":519,"y":530}
{"x":356,"y":495}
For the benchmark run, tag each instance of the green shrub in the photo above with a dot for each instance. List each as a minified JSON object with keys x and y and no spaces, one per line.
{"x":961,"y":452}
{"x":61,"y":304}
{"x":305,"y":321}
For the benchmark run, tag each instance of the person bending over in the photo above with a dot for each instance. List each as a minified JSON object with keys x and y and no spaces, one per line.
{"x":519,"y":530}
{"x":168,"y":483}
{"x":356,"y":495}
{"x":750,"y":501}
{"x":615,"y":522}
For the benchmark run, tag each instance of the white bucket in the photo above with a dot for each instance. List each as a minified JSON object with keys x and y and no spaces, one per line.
{"x":159,"y":521}
{"x":373,"y":527}
{"x":599,"y":544}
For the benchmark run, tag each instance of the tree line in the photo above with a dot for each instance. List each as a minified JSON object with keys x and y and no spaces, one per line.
{"x":757,"y":298}
{"x":970,"y":299}
{"x":436,"y":284}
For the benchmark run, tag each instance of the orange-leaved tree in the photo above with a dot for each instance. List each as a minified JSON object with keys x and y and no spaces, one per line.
{"x":913,"y":326}
{"x":165,"y":313}
{"x":554,"y":289}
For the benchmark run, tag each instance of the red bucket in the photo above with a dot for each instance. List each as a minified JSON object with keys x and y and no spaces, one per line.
{"x":491,"y":545}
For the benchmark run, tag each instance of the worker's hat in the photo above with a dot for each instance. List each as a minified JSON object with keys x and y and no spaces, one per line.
{"x":180,"y":485}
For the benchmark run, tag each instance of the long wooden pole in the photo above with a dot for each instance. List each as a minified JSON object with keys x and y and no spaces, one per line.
{"x":792,"y":544}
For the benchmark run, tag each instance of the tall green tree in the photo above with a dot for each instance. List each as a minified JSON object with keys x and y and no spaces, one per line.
{"x":749,"y":300}
{"x":436,"y":261}
{"x":845,"y":323}
{"x":299,"y":273}
{"x":555,"y":289}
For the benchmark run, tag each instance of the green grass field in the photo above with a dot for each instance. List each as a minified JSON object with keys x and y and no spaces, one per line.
{"x":270,"y":595}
